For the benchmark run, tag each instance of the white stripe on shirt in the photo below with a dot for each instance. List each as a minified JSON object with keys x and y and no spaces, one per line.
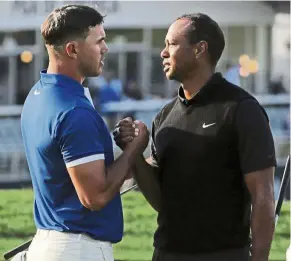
{"x":85,"y":160}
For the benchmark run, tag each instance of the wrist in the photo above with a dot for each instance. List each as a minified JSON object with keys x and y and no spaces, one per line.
{"x":259,"y":255}
{"x":259,"y":258}
{"x":131,"y":154}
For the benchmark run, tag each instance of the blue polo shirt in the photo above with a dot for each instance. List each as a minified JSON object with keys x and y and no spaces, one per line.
{"x":61,"y":128}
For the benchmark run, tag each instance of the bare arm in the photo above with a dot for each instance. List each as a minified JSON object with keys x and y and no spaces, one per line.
{"x":260,"y":185}
{"x":146,"y":176}
{"x":96,"y":185}
{"x":257,"y":161}
{"x":79,"y":136}
{"x":144,"y":171}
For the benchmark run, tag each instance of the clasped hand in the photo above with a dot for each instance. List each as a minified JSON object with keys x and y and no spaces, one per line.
{"x":131,"y":134}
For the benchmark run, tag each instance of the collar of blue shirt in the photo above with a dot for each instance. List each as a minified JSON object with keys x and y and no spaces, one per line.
{"x":61,"y":80}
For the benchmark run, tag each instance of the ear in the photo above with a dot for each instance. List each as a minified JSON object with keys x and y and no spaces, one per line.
{"x":201,"y":49}
{"x":71,"y":49}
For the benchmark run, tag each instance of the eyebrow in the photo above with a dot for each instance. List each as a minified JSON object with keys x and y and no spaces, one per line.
{"x":100,"y":39}
{"x":171,"y":40}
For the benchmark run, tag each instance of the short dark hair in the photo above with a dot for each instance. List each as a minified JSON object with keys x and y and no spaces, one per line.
{"x":69,"y":22}
{"x":203,"y":28}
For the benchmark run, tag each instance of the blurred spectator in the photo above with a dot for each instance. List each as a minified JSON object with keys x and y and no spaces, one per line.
{"x":100,"y":91}
{"x":104,"y":89}
{"x":114,"y":82}
{"x":107,"y":94}
{"x":95,"y":83}
{"x":108,"y":89}
{"x":21,"y":96}
{"x":276,"y":86}
{"x":132,"y":92}
{"x":232,"y":74}
{"x":286,"y":124}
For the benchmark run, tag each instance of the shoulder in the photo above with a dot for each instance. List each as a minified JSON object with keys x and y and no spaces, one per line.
{"x":249,"y":109}
{"x":77,"y":118}
{"x":233,"y":92}
{"x":230,"y":99}
{"x":82,"y":114}
{"x":73,"y":108}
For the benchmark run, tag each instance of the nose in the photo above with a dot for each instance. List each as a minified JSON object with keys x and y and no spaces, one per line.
{"x":105,"y":48}
{"x":164,"y":53}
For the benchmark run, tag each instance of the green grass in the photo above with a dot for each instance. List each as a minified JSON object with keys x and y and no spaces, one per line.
{"x":16,"y":226}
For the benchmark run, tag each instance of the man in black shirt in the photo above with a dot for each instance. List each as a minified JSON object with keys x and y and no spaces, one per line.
{"x":212,"y":156}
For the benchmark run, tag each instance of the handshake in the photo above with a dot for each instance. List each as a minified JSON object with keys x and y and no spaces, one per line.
{"x":131,"y":135}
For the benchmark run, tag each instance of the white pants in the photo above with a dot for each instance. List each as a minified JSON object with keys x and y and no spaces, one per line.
{"x":288,"y":253}
{"x":50,"y":245}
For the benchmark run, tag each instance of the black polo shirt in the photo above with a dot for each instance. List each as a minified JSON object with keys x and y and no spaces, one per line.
{"x":203,"y":148}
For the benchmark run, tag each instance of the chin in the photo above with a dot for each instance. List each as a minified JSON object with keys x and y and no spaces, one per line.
{"x":96,"y":73}
{"x":169,"y":75}
{"x":100,"y":70}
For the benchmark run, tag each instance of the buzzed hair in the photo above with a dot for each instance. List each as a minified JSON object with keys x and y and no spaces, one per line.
{"x":203,"y":28}
{"x":69,"y":22}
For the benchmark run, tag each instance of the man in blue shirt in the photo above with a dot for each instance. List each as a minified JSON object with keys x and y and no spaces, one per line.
{"x":76,"y":182}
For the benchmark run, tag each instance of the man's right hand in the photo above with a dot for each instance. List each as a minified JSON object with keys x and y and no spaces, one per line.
{"x":131,"y":135}
{"x":124,"y":132}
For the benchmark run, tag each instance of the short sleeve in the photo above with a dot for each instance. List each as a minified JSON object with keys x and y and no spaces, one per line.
{"x":153,"y":153}
{"x":255,"y":141}
{"x":79,"y":136}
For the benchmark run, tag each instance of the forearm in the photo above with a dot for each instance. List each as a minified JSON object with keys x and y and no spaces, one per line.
{"x":117,"y":173}
{"x":262,"y":225}
{"x":146,"y":177}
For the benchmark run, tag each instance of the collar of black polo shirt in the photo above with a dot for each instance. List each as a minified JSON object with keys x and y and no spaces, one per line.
{"x":213,"y":81}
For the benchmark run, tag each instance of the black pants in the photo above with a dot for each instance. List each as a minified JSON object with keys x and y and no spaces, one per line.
{"x":229,"y":255}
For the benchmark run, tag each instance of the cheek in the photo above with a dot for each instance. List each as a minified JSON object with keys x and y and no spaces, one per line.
{"x":96,"y":51}
{"x":184,"y":58}
{"x":92,"y":52}
{"x":173,"y":57}
{"x":176,"y":59}
{"x":176,"y":54}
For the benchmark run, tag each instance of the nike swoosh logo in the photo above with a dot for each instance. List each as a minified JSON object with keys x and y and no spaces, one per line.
{"x":36,"y":92}
{"x":207,"y":125}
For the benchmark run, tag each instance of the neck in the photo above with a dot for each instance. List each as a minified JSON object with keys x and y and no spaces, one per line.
{"x":60,"y":67}
{"x":195,"y":82}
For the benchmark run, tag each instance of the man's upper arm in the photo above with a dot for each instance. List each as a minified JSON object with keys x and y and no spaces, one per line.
{"x":261,"y":186}
{"x":256,"y":150}
{"x":79,"y":137}
{"x":80,"y":141}
{"x":255,"y":141}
